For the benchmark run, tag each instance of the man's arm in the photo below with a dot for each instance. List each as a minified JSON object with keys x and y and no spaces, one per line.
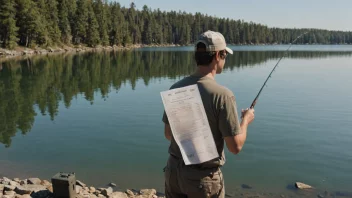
{"x":167,"y":132}
{"x":235,"y":143}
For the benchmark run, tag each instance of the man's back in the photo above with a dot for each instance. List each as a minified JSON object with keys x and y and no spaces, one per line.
{"x":220,"y":107}
{"x":206,"y":179}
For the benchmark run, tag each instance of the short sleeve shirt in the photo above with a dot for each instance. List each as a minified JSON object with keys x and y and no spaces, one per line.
{"x":221,"y":110}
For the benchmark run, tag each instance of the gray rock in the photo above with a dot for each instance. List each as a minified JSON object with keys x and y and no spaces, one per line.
{"x":118,"y":195}
{"x":35,"y":181}
{"x":9,"y":188}
{"x":80,"y":183}
{"x":23,"y":182}
{"x":107,"y":191}
{"x":13,"y":183}
{"x":301,"y":185}
{"x":23,"y":196}
{"x":22,"y":190}
{"x":8,"y":196}
{"x":42,"y":194}
{"x":11,"y":193}
{"x":130,"y":193}
{"x":84,"y":192}
{"x":97,"y":192}
{"x":112,"y":184}
{"x":91,"y":189}
{"x":45,"y":183}
{"x":78,"y":189}
{"x":30,"y":188}
{"x":5,"y":180}
{"x":148,"y":192}
{"x":17,"y":180}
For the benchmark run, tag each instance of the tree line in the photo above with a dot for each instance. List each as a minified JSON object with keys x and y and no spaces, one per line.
{"x":45,"y":23}
{"x":38,"y":85}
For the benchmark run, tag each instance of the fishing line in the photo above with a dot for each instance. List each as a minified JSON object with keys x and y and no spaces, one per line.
{"x":261,"y":89}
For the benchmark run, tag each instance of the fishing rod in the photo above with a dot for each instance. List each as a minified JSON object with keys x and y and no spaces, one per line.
{"x":261,"y":89}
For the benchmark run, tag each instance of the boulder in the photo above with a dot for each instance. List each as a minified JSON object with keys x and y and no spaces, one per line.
{"x":130,"y":193}
{"x":22,"y":190}
{"x":8,"y":196}
{"x":42,"y":194}
{"x":118,"y":195}
{"x":11,"y":193}
{"x":301,"y":185}
{"x":78,"y":189}
{"x":50,"y":188}
{"x":17,"y":180}
{"x":30,"y":188}
{"x":23,"y":182}
{"x":107,"y":191}
{"x":148,"y":192}
{"x":45,"y":183}
{"x":23,"y":196}
{"x":9,"y":188}
{"x":84,"y":193}
{"x":5,"y":180}
{"x":80,"y":183}
{"x":97,"y":192}
{"x":35,"y":181}
{"x":13,"y":183}
{"x":2,"y":186}
{"x":91,"y":189}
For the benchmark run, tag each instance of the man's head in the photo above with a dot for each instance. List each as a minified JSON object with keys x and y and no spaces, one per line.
{"x":211,"y":50}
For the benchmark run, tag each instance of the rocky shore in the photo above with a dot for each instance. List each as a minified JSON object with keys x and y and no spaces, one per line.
{"x":37,"y":188}
{"x":24,"y":52}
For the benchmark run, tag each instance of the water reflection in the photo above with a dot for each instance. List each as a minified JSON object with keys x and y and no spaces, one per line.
{"x":44,"y":82}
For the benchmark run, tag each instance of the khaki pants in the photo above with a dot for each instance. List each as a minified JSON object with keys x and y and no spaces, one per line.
{"x":183,"y":181}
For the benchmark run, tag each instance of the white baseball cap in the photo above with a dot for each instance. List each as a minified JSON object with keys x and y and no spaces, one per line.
{"x":214,"y":41}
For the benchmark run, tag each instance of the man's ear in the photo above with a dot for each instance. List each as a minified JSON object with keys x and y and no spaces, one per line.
{"x":217,"y":56}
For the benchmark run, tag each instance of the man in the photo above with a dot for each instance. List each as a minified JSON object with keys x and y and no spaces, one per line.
{"x":206,"y":179}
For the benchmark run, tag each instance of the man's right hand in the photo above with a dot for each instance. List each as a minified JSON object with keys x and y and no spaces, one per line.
{"x":247,"y":115}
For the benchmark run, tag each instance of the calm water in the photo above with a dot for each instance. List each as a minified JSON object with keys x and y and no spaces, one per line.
{"x":99,"y":115}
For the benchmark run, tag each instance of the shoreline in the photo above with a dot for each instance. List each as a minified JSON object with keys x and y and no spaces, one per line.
{"x":23,"y":52}
{"x":42,"y":188}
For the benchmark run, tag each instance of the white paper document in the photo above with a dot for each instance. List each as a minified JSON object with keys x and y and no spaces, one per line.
{"x":189,"y":124}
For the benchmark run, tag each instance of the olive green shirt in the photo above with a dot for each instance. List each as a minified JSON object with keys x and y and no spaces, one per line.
{"x":220,"y":107}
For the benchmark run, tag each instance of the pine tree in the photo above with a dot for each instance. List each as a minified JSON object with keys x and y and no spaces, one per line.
{"x":92,"y":28}
{"x":101,"y":18}
{"x":64,"y":23}
{"x":31,"y":28}
{"x":81,"y":22}
{"x":53,"y":21}
{"x":117,"y":23}
{"x":8,"y":29}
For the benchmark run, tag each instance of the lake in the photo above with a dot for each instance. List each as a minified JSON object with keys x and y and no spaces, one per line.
{"x":99,"y":115}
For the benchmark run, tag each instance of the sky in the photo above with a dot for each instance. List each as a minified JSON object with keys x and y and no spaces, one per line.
{"x":321,"y":14}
